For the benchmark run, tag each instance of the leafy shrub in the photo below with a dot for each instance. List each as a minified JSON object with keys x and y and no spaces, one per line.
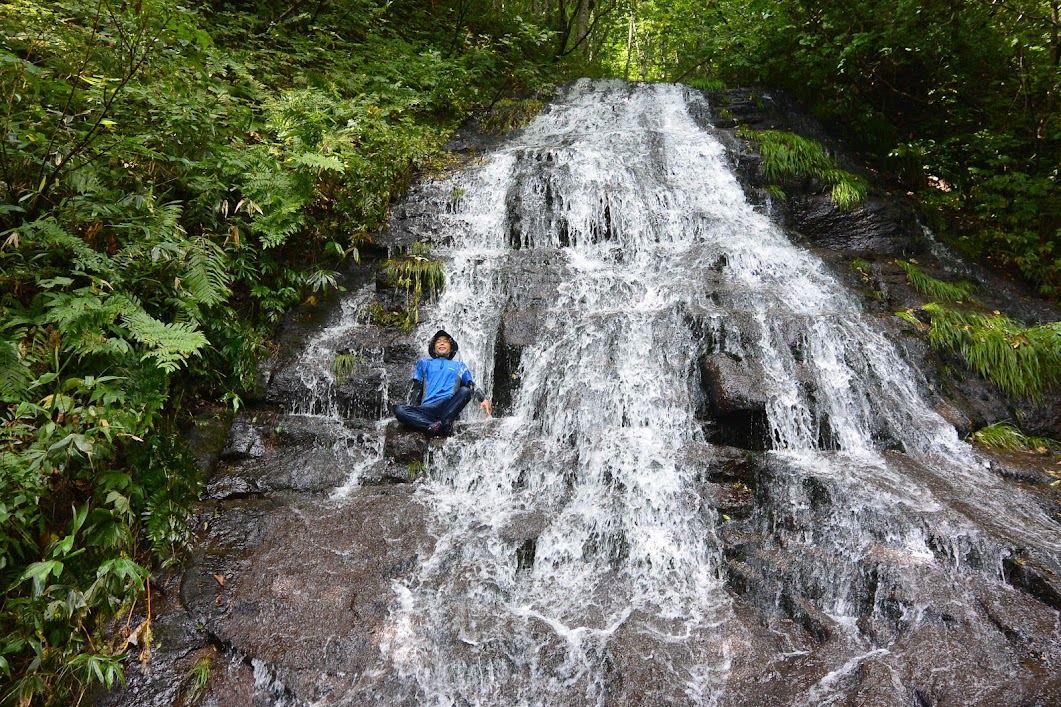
{"x":173,"y":183}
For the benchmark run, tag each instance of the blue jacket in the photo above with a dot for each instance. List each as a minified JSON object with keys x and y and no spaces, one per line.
{"x":441,"y":378}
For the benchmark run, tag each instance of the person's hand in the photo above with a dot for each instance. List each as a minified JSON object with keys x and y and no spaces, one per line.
{"x":485,"y":405}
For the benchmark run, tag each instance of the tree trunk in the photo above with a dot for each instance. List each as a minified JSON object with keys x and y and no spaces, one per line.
{"x":629,"y":45}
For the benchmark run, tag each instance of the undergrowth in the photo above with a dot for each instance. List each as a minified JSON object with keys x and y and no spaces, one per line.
{"x":1023,"y":361}
{"x":1006,"y":435}
{"x":791,"y":160}
{"x":173,"y":180}
{"x":939,"y":290}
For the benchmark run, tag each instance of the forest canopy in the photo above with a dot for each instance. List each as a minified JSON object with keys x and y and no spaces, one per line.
{"x":174,"y":178}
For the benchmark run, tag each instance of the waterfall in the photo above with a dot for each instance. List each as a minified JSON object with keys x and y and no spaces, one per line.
{"x":578,"y":559}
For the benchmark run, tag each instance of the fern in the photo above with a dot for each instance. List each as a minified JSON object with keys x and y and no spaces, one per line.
{"x":15,"y":376}
{"x":318,"y":162}
{"x":206,"y":276}
{"x":47,"y":235}
{"x":936,"y":289}
{"x":170,"y":345}
{"x":165,"y":523}
{"x":280,"y":197}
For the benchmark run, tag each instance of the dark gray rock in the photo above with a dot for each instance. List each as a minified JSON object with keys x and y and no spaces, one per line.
{"x":298,"y":610}
{"x":881,"y":227}
{"x":736,"y":400}
{"x":244,"y":440}
{"x":733,"y":385}
{"x":403,"y":446}
{"x":206,"y":435}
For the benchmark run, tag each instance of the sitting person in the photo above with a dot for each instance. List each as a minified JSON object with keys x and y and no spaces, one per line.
{"x":441,"y":388}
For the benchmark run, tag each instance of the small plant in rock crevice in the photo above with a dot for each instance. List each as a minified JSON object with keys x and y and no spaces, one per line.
{"x":198,"y":677}
{"x":1006,"y":435}
{"x":937,"y":289}
{"x":344,"y":365}
{"x":417,"y":275}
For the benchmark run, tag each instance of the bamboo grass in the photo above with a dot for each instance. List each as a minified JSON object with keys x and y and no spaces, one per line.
{"x":937,"y":289}
{"x":1022,"y":361}
{"x":1005,"y":435}
{"x":789,"y":158}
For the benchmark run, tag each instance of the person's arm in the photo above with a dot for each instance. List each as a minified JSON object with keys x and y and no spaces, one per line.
{"x":416,"y":386}
{"x":416,"y":391}
{"x":484,"y":404}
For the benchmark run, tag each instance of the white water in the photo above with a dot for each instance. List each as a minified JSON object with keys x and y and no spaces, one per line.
{"x":597,"y":459}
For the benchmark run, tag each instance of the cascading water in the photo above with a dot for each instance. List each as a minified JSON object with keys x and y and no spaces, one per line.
{"x":577,"y":558}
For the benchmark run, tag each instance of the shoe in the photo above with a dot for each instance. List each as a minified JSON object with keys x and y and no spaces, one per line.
{"x":434,"y":428}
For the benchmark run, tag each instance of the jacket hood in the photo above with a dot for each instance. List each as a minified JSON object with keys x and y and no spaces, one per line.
{"x":431,"y":346}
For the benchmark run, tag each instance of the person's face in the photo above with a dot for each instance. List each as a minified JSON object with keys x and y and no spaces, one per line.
{"x":443,"y":346}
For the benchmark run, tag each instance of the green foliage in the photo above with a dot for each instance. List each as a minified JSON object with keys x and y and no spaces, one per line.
{"x":415,"y":273}
{"x":173,"y":179}
{"x":960,"y":102}
{"x":1005,"y":435}
{"x":198,"y":677}
{"x":1022,"y":361}
{"x":791,"y":159}
{"x":708,"y":84}
{"x":936,"y":289}
{"x":343,"y":366}
{"x":405,"y":319}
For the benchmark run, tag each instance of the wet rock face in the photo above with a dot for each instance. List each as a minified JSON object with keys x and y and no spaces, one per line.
{"x":883,"y":228}
{"x":311,"y":523}
{"x":315,"y":622}
{"x":737,"y":401}
{"x":916,"y":644}
{"x":286,"y":597}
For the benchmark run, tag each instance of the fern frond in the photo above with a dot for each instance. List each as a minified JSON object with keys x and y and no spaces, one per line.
{"x":281,"y":198}
{"x":15,"y":376}
{"x":206,"y":276}
{"x":169,"y":344}
{"x":46,"y":234}
{"x":316,"y":161}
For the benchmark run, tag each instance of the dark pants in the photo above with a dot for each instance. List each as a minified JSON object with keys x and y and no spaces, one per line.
{"x":421,"y":417}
